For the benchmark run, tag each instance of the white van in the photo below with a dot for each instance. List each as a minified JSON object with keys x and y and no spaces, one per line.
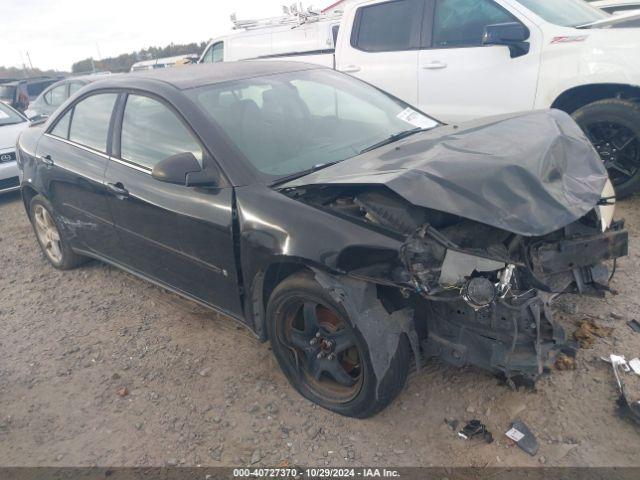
{"x":297,"y":36}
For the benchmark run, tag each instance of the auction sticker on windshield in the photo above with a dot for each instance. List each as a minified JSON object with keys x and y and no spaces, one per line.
{"x":416,"y":119}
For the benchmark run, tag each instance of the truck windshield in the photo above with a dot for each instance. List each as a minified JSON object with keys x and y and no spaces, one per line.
{"x":565,"y":13}
{"x":290,"y":123}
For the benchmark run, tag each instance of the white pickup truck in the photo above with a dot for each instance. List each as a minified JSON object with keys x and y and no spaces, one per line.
{"x":462,"y":59}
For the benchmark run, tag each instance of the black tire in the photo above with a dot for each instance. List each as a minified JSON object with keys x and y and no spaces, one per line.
{"x":613,"y":126}
{"x":67,"y":258}
{"x":369,"y":395}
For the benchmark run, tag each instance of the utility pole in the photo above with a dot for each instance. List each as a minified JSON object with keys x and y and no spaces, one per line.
{"x":29,"y":58}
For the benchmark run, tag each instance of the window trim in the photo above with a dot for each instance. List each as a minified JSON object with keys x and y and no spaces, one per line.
{"x":431,"y":25}
{"x":72,"y":108}
{"x":416,"y":27}
{"x":118,"y":120}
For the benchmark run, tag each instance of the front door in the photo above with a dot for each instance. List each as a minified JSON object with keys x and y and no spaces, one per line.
{"x":382,"y":48}
{"x":180,"y":236}
{"x":460,"y":78}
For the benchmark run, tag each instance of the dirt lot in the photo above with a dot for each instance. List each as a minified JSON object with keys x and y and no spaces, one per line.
{"x":203,"y":390}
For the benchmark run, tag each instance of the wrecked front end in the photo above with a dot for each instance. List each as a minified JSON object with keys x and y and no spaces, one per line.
{"x":508,"y":236}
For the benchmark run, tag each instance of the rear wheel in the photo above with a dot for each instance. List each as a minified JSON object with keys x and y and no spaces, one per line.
{"x":53,"y":243}
{"x":613,"y":126}
{"x":323,"y":356}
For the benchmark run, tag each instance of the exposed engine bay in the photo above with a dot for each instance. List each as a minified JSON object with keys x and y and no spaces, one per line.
{"x":481,"y":295}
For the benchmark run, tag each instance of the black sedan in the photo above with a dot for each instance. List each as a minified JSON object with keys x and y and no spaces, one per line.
{"x":349,"y":229}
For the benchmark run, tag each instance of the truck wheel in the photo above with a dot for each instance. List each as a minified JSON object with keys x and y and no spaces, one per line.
{"x":323,"y":356}
{"x":51,"y":238}
{"x":613,"y":126}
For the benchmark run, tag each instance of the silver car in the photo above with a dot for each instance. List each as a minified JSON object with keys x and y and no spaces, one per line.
{"x":12,"y":123}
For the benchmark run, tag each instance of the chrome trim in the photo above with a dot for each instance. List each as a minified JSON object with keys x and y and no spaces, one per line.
{"x":81,"y":147}
{"x":126,"y":163}
{"x":135,"y":166}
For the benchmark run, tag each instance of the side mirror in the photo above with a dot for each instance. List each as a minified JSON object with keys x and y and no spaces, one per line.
{"x":184,"y":169}
{"x":513,"y":35}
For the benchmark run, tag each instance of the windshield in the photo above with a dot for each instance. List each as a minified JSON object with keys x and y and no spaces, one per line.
{"x":8,"y":116}
{"x":565,"y":13}
{"x":7,"y":92}
{"x":290,"y":123}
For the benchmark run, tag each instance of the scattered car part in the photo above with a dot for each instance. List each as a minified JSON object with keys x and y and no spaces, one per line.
{"x":627,"y":408}
{"x":634,"y":325}
{"x":589,"y":331}
{"x":617,"y":360}
{"x":475,"y":428}
{"x":635,"y":365}
{"x":523,"y":437}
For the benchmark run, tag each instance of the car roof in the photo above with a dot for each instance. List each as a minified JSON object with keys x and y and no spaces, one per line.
{"x":193,"y":76}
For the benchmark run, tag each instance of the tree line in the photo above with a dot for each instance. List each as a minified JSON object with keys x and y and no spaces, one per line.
{"x":123,"y":62}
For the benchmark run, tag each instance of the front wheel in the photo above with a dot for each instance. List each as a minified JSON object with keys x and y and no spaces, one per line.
{"x":613,"y":126}
{"x":322,"y":354}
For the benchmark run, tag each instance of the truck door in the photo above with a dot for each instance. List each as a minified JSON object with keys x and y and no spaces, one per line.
{"x":460,"y":78}
{"x":382,"y":46}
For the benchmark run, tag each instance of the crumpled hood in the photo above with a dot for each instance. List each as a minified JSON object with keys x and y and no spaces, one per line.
{"x":529,"y":173}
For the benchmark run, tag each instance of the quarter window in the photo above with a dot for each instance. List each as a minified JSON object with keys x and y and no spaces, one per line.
{"x":90,"y":123}
{"x":461,"y":23}
{"x":56,"y":96}
{"x":215,"y":53}
{"x":74,"y":87}
{"x":386,"y":27}
{"x":61,"y":129}
{"x":147,"y":146}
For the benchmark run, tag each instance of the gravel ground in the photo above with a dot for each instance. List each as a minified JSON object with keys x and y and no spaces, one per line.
{"x":201,"y":390}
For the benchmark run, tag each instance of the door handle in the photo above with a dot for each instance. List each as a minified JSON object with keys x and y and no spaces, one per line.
{"x":437,"y":65}
{"x":118,"y":190}
{"x":47,"y":160}
{"x":350,"y":69}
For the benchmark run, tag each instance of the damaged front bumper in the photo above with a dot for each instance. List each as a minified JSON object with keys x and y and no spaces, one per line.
{"x":518,"y":339}
{"x":495,"y":314}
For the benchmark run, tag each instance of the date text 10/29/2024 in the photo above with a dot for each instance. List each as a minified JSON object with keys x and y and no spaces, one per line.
{"x":315,"y":473}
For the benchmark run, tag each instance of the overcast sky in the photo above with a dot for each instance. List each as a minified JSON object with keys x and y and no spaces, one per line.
{"x":57,"y":33}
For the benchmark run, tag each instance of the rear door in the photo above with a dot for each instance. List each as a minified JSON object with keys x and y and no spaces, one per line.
{"x":382,"y":47}
{"x":460,"y":78}
{"x":177,"y":235}
{"x":73,"y":156}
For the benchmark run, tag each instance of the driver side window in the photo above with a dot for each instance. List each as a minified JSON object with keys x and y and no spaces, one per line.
{"x":461,"y":23}
{"x":215,"y":53}
{"x":148,"y":146}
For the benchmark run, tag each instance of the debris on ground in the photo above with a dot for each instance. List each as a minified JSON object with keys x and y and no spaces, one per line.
{"x":123,"y":392}
{"x":627,"y":408}
{"x":475,"y":428}
{"x":589,"y":331}
{"x":524,"y":438}
{"x":634,"y":325}
{"x":635,"y":365}
{"x":452,"y":423}
{"x":565,"y":362}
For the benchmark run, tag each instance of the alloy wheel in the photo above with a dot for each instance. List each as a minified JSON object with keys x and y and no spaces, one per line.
{"x":323,"y":349}
{"x":618,"y":147}
{"x":47,"y":233}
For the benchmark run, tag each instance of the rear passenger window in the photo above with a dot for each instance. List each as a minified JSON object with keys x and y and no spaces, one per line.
{"x":56,"y":96}
{"x":389,"y":26}
{"x":147,"y":146}
{"x":61,"y":128}
{"x":90,"y":123}
{"x":461,"y":23}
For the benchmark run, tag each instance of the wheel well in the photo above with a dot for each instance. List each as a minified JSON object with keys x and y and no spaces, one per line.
{"x":27,"y":195}
{"x":275,"y":274}
{"x":578,"y":97}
